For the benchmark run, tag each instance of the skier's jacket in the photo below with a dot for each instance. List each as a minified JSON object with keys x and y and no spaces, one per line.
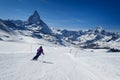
{"x":39,"y":51}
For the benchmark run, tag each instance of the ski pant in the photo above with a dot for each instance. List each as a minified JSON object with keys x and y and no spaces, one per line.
{"x":36,"y":57}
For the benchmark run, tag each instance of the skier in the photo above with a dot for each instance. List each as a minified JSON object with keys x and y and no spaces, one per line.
{"x":39,"y":51}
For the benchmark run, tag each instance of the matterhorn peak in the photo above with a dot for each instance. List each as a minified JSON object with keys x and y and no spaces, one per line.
{"x":36,"y":12}
{"x":35,"y":18}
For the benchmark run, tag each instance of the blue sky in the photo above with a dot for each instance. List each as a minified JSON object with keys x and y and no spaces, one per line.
{"x":68,"y":14}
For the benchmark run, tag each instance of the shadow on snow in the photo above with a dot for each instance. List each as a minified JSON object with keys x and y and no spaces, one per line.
{"x":47,"y":62}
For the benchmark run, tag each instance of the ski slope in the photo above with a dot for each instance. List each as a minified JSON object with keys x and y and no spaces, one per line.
{"x":58,"y":63}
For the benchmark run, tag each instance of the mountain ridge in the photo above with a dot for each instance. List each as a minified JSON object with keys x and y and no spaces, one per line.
{"x":35,"y":27}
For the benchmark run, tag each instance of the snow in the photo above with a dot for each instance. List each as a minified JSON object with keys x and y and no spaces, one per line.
{"x":58,"y":63}
{"x":55,"y":31}
{"x":86,"y":37}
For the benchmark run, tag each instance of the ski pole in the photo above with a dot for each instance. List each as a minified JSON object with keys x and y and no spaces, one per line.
{"x":42,"y":57}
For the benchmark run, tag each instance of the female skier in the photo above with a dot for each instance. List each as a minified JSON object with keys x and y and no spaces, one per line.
{"x":39,"y":52}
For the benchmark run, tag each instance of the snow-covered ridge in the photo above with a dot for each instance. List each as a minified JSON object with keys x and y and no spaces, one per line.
{"x":34,"y":27}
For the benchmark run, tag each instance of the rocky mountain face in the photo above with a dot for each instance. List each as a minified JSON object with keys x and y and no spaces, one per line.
{"x":34,"y":19}
{"x":35,"y":27}
{"x":96,"y":38}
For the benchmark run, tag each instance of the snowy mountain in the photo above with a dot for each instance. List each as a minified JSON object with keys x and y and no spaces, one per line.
{"x":96,"y":38}
{"x":34,"y":21}
{"x":35,"y":28}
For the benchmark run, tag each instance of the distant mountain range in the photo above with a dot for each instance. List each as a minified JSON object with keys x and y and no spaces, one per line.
{"x":34,"y":27}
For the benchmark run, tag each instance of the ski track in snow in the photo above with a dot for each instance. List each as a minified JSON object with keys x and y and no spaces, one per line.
{"x":59,"y":64}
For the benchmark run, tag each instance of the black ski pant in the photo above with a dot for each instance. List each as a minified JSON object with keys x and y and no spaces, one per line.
{"x":36,"y":57}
